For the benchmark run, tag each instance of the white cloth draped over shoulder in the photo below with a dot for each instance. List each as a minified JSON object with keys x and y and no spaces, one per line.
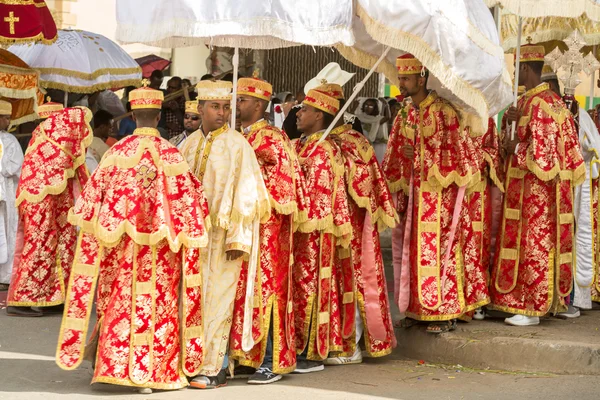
{"x":10,"y":169}
{"x":583,"y":210}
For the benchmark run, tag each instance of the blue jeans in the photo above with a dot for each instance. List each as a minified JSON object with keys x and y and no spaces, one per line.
{"x":268,"y":360}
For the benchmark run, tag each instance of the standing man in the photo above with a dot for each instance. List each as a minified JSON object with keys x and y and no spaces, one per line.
{"x":174,"y":109}
{"x":429,"y":163}
{"x":533,"y":269}
{"x":272,"y":319}
{"x":362,"y":285}
{"x":316,"y":296}
{"x":141,"y":220}
{"x":191,"y":123}
{"x":238,"y":201}
{"x":11,"y":160}
{"x":54,"y":164}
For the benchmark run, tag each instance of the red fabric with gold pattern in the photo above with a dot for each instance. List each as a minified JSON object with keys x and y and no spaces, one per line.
{"x":315,"y":246}
{"x":533,"y":263}
{"x":596,"y":224}
{"x":141,"y":218}
{"x":26,"y":21}
{"x":54,"y":158}
{"x":444,"y":160}
{"x":285,"y":183}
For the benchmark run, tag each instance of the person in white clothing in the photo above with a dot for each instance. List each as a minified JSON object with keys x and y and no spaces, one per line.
{"x":11,"y":160}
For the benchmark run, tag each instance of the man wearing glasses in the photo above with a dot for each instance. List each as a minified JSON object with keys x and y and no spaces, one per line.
{"x":191,"y":123}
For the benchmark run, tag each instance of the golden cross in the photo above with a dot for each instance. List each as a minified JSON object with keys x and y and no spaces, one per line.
{"x":256,"y":73}
{"x":529,"y":39}
{"x":145,"y":82}
{"x":145,"y":176}
{"x":11,"y":19}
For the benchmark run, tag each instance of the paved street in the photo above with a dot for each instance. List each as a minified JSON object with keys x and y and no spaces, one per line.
{"x":28,"y":371}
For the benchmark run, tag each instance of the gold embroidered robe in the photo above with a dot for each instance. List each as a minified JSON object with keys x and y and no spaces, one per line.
{"x":238,"y":201}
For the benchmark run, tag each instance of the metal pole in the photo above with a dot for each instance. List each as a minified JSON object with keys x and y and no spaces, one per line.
{"x":517,"y":66}
{"x":236,"y":63}
{"x":592,"y":83}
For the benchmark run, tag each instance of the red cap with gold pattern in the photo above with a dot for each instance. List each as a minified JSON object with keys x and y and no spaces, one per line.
{"x":145,"y":97}
{"x":407,"y":64}
{"x":47,"y":109}
{"x":532,"y":53}
{"x":322,"y":101}
{"x":255,"y":87}
{"x":332,"y":89}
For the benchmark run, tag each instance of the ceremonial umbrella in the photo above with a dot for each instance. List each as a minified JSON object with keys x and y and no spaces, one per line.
{"x":19,"y":86}
{"x":26,"y":21}
{"x":81,"y":62}
{"x":151,"y":63}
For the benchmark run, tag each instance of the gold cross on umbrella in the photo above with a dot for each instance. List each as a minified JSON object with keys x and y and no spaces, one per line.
{"x":11,"y":19}
{"x":145,"y":175}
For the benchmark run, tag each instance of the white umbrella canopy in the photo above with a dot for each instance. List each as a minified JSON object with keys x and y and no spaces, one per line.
{"x":549,"y":8}
{"x":234,"y":23}
{"x":80,"y":62}
{"x":456,"y":40}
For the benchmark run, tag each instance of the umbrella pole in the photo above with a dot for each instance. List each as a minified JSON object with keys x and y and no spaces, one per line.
{"x":517,"y":66}
{"x":592,"y":82}
{"x":66,"y":98}
{"x":357,"y":89}
{"x":236,"y":63}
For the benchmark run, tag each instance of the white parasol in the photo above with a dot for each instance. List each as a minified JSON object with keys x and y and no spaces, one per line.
{"x":80,"y":62}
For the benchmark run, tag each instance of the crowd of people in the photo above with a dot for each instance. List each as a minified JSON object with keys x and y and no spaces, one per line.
{"x":253,"y":248}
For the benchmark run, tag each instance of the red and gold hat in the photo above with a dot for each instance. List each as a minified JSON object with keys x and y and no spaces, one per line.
{"x":145,"y":97}
{"x":407,"y":64}
{"x":191,"y":107}
{"x":47,"y":109}
{"x":322,"y":101}
{"x":532,"y":53}
{"x":255,"y":87}
{"x":332,"y":89}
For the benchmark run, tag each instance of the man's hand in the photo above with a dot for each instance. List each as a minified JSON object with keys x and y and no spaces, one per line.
{"x":510,"y":146}
{"x":408,"y":152}
{"x":512,"y":114}
{"x":234,"y":254}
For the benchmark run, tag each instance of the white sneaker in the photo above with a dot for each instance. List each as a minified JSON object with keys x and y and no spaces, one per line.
{"x":355,"y":359}
{"x":572,"y":312}
{"x":145,"y":391}
{"x":479,"y":315}
{"x":522,"y":320}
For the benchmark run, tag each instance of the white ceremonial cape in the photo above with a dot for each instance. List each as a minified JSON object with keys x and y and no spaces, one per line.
{"x":584,"y":235}
{"x":11,"y":160}
{"x":237,"y":200}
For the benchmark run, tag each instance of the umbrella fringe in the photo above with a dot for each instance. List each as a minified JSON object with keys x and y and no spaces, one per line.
{"x":93,"y":88}
{"x":366,"y":60}
{"x":89,"y":76}
{"x":555,"y":8}
{"x":404,"y":41}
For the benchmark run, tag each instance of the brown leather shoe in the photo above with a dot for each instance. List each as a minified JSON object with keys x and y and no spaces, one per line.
{"x":22,"y":312}
{"x":3,"y":287}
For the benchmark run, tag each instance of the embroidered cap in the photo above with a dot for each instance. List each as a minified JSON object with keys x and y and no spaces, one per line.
{"x":532,"y":53}
{"x":191,"y":107}
{"x":331,"y":89}
{"x":548,"y":73}
{"x":5,"y":108}
{"x":255,"y":87}
{"x":146,"y":97}
{"x":47,"y":109}
{"x":214,"y":90}
{"x":322,"y":101}
{"x":407,"y":64}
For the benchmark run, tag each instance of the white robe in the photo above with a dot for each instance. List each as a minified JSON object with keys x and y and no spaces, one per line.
{"x":584,"y":235}
{"x":11,"y":160}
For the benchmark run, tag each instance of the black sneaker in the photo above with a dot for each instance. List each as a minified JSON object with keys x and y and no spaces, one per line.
{"x":209,"y":382}
{"x":263,"y":376}
{"x":241,"y":372}
{"x":307,"y":366}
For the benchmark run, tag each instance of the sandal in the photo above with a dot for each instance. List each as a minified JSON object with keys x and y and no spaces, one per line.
{"x":441,"y":327}
{"x":405,"y":323}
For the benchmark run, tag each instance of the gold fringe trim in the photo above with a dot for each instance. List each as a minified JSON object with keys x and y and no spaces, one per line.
{"x":492,"y":172}
{"x":421,"y":50}
{"x":91,"y":88}
{"x":437,"y":180}
{"x":290,"y":208}
{"x":533,"y":8}
{"x":110,"y":238}
{"x":89,"y":76}
{"x":366,"y":60}
{"x":123,"y":162}
{"x":383,"y":220}
{"x":69,"y":172}
{"x":326,"y":225}
{"x":577,"y":176}
{"x":396,"y":186}
{"x":262,"y":211}
{"x":39,"y":38}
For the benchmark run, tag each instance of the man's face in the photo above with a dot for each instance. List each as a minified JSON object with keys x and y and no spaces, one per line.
{"x":247,"y":107}
{"x":173,"y":85}
{"x":408,"y":85}
{"x":4,"y":122}
{"x":214,"y":114}
{"x":523,"y":73}
{"x":306,"y":118}
{"x":191,"y":122}
{"x":369,"y":107}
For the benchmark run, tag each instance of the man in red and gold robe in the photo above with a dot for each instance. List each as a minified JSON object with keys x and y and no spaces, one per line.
{"x":142,"y":222}
{"x":361,"y":276}
{"x":316,"y":296}
{"x":53,"y":169}
{"x":533,"y":268}
{"x":429,"y":163}
{"x":274,"y":351}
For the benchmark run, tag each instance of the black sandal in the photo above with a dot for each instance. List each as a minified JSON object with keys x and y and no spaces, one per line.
{"x":441,"y":327}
